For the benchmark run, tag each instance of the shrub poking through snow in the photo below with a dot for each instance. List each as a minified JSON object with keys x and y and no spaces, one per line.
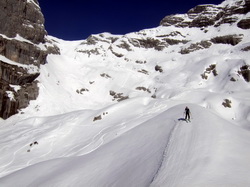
{"x":245,"y":72}
{"x":246,"y":48}
{"x":140,"y":62}
{"x":143,"y":89}
{"x":158,"y":68}
{"x":227,"y":103}
{"x":82,"y":90}
{"x":143,"y":71}
{"x":211,"y":68}
{"x":105,"y":75}
{"x":233,"y":79}
{"x":97,"y":118}
{"x":117,"y":96}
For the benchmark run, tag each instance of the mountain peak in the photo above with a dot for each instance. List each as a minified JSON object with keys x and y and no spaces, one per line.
{"x":210,"y":15}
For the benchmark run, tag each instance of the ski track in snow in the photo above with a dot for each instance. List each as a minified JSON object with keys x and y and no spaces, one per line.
{"x":165,"y":153}
{"x":95,"y":142}
{"x":52,"y":143}
{"x":24,"y":148}
{"x":99,"y":139}
{"x":104,"y":135}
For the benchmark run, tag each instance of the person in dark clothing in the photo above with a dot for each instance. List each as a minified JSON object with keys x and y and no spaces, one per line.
{"x":187,"y":114}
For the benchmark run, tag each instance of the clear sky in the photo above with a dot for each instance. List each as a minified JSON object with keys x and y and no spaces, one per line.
{"x":77,"y":19}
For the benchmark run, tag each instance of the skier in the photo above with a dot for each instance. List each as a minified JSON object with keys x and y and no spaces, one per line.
{"x":187,"y":114}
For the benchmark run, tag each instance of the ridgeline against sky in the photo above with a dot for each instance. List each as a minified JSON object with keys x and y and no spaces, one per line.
{"x":72,"y":20}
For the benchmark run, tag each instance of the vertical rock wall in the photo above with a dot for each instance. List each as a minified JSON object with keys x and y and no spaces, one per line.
{"x":21,"y":30}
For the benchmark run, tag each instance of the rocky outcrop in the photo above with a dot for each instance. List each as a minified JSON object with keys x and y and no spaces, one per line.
{"x":228,"y":39}
{"x":22,"y":17}
{"x":211,"y":15}
{"x":245,"y":72}
{"x":22,"y":52}
{"x":148,"y":43}
{"x":196,"y":46}
{"x":21,"y":30}
{"x":244,"y":23}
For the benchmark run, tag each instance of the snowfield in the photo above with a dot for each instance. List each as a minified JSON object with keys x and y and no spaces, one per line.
{"x":161,"y":151}
{"x":105,"y":117}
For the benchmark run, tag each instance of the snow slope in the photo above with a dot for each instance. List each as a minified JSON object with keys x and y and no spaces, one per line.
{"x":78,"y":133}
{"x":186,"y":154}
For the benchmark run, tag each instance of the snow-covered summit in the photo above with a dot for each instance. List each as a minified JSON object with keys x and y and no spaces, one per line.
{"x":110,"y":110}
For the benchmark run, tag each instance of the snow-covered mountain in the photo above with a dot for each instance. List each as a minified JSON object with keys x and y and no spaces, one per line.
{"x":110,"y":108}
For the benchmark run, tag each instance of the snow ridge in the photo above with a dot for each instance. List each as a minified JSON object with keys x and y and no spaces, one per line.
{"x":165,"y":154}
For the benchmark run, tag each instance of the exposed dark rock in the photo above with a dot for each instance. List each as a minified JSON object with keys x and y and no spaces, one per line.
{"x":211,"y":68}
{"x":245,"y":72}
{"x":90,"y":52}
{"x":233,"y":79}
{"x":171,"y":20}
{"x":244,"y":23}
{"x":125,"y":45}
{"x":174,"y":33}
{"x":227,"y":103}
{"x":143,"y":71}
{"x":209,"y":15}
{"x":11,"y":76}
{"x":246,"y":48}
{"x":22,"y":28}
{"x":203,"y":15}
{"x":82,"y":90}
{"x":228,"y":39}
{"x":15,"y":75}
{"x":51,"y":47}
{"x":115,"y":53}
{"x":118,"y":96}
{"x":105,"y":75}
{"x":158,"y":68}
{"x":148,"y":43}
{"x":197,"y":46}
{"x":23,"y":18}
{"x":174,"y":41}
{"x":143,"y":89}
{"x":94,"y":39}
{"x":140,"y":62}
{"x":22,"y":52}
{"x":97,"y":118}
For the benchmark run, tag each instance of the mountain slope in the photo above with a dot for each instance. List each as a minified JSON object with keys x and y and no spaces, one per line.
{"x":203,"y":152}
{"x":110,"y":108}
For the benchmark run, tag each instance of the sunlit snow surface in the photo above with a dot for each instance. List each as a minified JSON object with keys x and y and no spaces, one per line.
{"x":141,"y":141}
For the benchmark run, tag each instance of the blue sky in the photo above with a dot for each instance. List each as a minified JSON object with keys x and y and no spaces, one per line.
{"x":77,"y":19}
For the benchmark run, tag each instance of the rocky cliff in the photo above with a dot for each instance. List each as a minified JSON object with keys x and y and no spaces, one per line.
{"x":22,"y":51}
{"x":200,"y":36}
{"x":202,"y":30}
{"x":212,"y":15}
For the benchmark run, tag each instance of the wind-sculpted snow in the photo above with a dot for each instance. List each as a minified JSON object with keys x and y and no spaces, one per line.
{"x":162,"y":151}
{"x":205,"y":152}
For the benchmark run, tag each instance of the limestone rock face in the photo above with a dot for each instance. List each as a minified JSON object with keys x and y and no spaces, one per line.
{"x":21,"y":30}
{"x":22,"y":17}
{"x":211,"y":15}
